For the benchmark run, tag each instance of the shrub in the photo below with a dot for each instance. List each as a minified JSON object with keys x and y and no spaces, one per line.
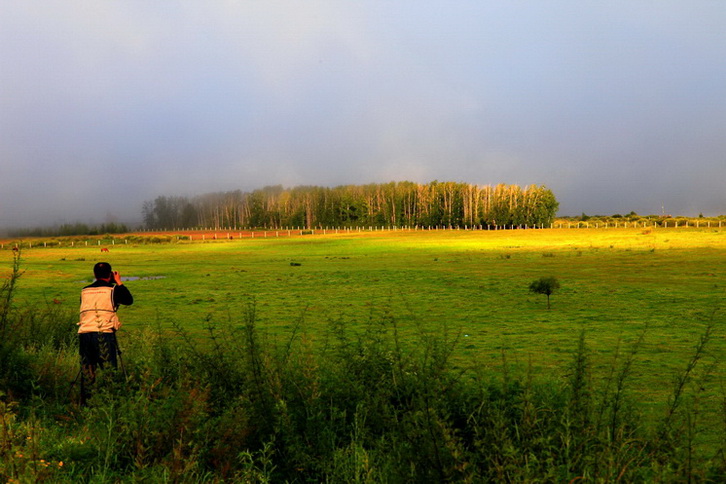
{"x":546,"y":286}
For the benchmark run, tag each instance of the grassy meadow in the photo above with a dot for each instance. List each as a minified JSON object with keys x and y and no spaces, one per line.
{"x":470,"y":286}
{"x":647,"y":294}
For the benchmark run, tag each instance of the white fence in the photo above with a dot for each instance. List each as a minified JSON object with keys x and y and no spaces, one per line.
{"x":641,"y":224}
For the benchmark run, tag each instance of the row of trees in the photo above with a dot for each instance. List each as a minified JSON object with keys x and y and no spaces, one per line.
{"x":70,"y":229}
{"x":389,"y":204}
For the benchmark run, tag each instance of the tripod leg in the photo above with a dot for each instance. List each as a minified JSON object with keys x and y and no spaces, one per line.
{"x":82,"y":396}
{"x":118,"y":355}
{"x":123,"y":368}
{"x":73,"y":383}
{"x":88,"y":378}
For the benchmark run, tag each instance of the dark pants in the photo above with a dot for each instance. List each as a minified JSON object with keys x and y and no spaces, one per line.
{"x":96,"y":349}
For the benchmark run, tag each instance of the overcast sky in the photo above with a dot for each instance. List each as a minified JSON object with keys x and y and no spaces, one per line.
{"x":615,"y":106}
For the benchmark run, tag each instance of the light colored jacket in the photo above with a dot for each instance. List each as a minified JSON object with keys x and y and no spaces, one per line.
{"x":98,"y":314}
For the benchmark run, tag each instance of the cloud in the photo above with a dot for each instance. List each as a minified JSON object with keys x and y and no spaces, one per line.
{"x":616,"y":106}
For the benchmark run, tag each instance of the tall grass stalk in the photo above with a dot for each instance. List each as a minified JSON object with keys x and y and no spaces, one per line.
{"x":7,"y":291}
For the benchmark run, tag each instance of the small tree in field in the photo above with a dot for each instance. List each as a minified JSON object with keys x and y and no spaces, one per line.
{"x":545,"y":285}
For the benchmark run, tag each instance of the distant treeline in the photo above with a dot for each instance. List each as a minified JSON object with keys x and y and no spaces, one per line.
{"x":634,"y":217}
{"x":70,"y":229}
{"x":436,"y":204}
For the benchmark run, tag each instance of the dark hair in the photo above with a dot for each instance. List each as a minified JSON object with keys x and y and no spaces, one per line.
{"x":102,"y":270}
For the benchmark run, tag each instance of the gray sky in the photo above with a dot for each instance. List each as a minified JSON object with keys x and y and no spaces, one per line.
{"x":615,"y":106}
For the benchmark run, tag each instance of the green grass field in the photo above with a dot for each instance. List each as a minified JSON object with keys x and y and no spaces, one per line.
{"x":292,"y":395}
{"x":470,"y":286}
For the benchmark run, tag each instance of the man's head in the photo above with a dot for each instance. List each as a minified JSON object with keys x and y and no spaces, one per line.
{"x":102,"y":270}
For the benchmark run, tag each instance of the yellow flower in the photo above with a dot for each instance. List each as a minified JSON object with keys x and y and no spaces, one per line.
{"x":60,"y":464}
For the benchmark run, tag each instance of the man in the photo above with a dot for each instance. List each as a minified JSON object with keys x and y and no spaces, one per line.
{"x":99,"y":322}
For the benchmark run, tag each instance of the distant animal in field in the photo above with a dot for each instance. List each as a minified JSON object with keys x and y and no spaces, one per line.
{"x":104,"y":249}
{"x":15,"y":249}
{"x":57,"y":301}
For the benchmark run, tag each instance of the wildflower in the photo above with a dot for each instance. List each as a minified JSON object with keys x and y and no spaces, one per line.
{"x":60,"y":464}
